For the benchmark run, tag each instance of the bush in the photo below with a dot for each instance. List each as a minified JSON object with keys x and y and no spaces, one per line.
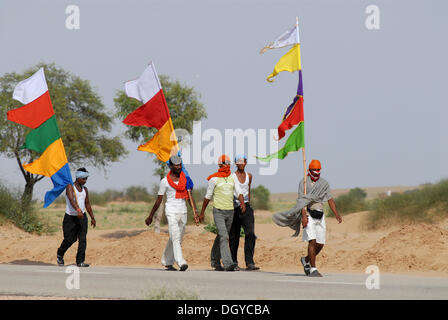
{"x":260,"y":198}
{"x":24,"y":217}
{"x":353,"y":201}
{"x":423,"y":204}
{"x":138,"y":193}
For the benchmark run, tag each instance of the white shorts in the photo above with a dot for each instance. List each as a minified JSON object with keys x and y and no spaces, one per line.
{"x":315,"y":230}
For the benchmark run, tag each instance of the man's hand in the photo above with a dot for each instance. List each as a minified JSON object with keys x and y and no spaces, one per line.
{"x":304,"y":218}
{"x":148,"y":220}
{"x":93,"y":222}
{"x":196,"y":218}
{"x":339,"y":218}
{"x":80,"y":213}
{"x":243,"y":207}
{"x":201,"y":217}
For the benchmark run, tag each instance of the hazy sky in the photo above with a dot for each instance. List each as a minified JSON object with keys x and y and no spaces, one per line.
{"x":374,"y":100}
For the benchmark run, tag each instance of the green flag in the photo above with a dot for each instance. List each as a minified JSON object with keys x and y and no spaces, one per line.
{"x":295,"y":141}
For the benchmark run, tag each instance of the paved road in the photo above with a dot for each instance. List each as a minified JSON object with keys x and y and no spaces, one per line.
{"x":134,"y":283}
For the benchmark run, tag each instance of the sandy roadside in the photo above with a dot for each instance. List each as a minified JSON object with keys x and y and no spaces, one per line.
{"x":350,"y":247}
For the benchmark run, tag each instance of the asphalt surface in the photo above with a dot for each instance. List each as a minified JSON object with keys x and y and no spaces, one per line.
{"x":136,"y":283}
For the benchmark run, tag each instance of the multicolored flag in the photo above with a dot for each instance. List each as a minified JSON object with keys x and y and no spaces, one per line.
{"x":294,"y":113}
{"x":153,"y":113}
{"x":45,"y":138}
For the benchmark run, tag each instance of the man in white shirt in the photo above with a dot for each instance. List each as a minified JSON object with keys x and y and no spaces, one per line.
{"x":75,"y":221}
{"x":174,"y":185}
{"x":245,"y":220}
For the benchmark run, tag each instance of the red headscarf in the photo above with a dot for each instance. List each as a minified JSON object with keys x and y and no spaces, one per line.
{"x":224,"y":171}
{"x":180,"y":187}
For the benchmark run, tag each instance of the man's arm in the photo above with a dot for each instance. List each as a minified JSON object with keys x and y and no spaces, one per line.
{"x":193,"y":206}
{"x":250,"y":183}
{"x":204,"y":206}
{"x":208,"y":196}
{"x":89,"y":209}
{"x":332,"y":205}
{"x":239,"y":192}
{"x":156,"y":206}
{"x":72,"y":198}
{"x":304,"y":217}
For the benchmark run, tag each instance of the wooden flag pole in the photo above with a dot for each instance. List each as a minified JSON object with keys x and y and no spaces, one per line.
{"x":303,"y":149}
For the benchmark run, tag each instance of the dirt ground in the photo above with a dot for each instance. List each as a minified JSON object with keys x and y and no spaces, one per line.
{"x":420,"y":249}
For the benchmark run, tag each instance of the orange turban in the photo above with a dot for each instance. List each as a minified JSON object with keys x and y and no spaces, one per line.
{"x":224,"y":159}
{"x":315,"y":164}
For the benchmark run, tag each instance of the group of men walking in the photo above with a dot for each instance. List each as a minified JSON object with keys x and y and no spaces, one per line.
{"x":231,"y":195}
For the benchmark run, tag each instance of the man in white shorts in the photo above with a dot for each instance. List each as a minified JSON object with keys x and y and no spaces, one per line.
{"x":175,"y":187}
{"x":313,"y":218}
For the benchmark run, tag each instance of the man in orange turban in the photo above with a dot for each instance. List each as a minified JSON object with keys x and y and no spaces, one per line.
{"x":309,"y":212}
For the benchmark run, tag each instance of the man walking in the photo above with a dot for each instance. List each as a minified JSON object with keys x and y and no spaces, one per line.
{"x":309,"y":212}
{"x":313,"y":218}
{"x":174,"y":185}
{"x":75,"y":221}
{"x":222,"y":186}
{"x":245,"y":220}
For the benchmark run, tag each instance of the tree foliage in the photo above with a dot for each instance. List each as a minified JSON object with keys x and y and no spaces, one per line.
{"x":83,"y":122}
{"x":184,"y":106}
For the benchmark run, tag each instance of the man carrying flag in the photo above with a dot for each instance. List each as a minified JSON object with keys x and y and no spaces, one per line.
{"x":309,"y":208}
{"x":152,"y":113}
{"x":75,"y":223}
{"x":308,"y":211}
{"x":174,"y":185}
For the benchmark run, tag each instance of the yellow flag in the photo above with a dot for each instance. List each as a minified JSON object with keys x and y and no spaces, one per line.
{"x":289,"y":62}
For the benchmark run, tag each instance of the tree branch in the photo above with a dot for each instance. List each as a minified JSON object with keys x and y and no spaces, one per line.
{"x":20,"y":165}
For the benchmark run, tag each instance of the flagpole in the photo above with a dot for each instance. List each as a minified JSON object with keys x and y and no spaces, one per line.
{"x":303,"y":149}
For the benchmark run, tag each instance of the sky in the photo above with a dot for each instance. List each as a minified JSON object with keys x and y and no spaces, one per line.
{"x":375,"y":113}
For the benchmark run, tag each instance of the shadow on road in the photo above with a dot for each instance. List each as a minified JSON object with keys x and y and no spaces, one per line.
{"x":26,"y":262}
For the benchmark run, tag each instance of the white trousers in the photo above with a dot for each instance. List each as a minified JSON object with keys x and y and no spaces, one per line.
{"x":173,"y":248}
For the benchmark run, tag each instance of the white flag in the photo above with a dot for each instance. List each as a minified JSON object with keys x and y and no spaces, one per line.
{"x":290,"y":37}
{"x":146,"y":86}
{"x":31,"y":88}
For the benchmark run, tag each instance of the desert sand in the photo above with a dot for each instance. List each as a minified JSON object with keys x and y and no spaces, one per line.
{"x":420,"y":249}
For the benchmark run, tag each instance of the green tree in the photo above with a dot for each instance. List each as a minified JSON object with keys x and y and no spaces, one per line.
{"x":83,"y":122}
{"x":183,"y":104}
{"x":260,"y":197}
